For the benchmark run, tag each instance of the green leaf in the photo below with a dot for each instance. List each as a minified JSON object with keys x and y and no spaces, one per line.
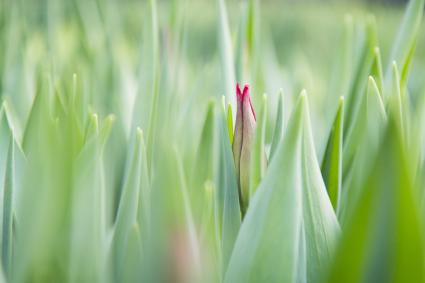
{"x":43,"y":202}
{"x":88,"y":234}
{"x":405,"y":41}
{"x":8,"y":211}
{"x":227,"y":198}
{"x":376,"y":115}
{"x":128,"y":208}
{"x":274,"y":214}
{"x":133,"y":255}
{"x":376,"y":71}
{"x":39,"y":111}
{"x":382,"y":241}
{"x":12,"y":121}
{"x":396,"y":99}
{"x":278,"y":128}
{"x":240,"y":43}
{"x":361,"y":147}
{"x":145,"y":201}
{"x":251,"y":25}
{"x":105,"y":131}
{"x":332,"y":161}
{"x":226,"y":53}
{"x":92,"y":129}
{"x":364,"y":61}
{"x":205,"y":161}
{"x":258,"y":155}
{"x":320,"y":223}
{"x":230,"y":123}
{"x":153,"y":116}
{"x":344,"y":68}
{"x":194,"y":246}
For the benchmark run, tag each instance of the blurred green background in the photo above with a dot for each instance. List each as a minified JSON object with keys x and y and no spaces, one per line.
{"x":90,"y":203}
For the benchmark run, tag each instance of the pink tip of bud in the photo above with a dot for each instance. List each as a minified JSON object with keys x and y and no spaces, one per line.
{"x":245,"y":90}
{"x":239,"y":94}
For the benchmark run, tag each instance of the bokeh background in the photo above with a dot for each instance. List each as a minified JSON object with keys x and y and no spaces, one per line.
{"x":163,"y":67}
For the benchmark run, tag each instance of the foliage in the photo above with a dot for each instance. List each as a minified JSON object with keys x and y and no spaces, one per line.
{"x":116,"y":133}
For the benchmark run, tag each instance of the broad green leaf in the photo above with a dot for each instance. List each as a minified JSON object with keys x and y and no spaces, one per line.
{"x":332,"y":161}
{"x":319,"y":219}
{"x":227,"y":198}
{"x":44,"y":200}
{"x":88,"y":234}
{"x":129,"y":203}
{"x":278,"y":126}
{"x":362,"y":147}
{"x":355,"y":136}
{"x":258,"y":155}
{"x":383,"y":241}
{"x":274,"y":213}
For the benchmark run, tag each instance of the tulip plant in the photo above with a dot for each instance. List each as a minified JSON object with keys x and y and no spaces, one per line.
{"x":120,"y":160}
{"x":243,"y":142}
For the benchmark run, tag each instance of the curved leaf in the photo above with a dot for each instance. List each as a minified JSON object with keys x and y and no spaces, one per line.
{"x":332,"y":161}
{"x":320,"y":223}
{"x":258,"y":155}
{"x":278,"y":128}
{"x":274,"y":214}
{"x":227,"y":194}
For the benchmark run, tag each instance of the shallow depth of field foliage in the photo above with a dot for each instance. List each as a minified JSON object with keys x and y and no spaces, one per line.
{"x":116,"y":130}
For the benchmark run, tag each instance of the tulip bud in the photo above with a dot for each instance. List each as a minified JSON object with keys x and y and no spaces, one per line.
{"x":242,"y":142}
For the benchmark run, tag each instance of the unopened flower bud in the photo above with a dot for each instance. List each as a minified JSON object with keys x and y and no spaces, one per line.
{"x":242,"y":142}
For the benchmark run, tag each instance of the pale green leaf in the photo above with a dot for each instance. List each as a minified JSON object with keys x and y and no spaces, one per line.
{"x":8,"y":211}
{"x":362,"y":69}
{"x":226,"y":53}
{"x":229,"y":214}
{"x":258,"y":155}
{"x":274,"y":214}
{"x":319,"y":219}
{"x":382,"y":240}
{"x":128,"y":207}
{"x":405,"y":41}
{"x":278,"y":126}
{"x":230,"y":123}
{"x":332,"y":160}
